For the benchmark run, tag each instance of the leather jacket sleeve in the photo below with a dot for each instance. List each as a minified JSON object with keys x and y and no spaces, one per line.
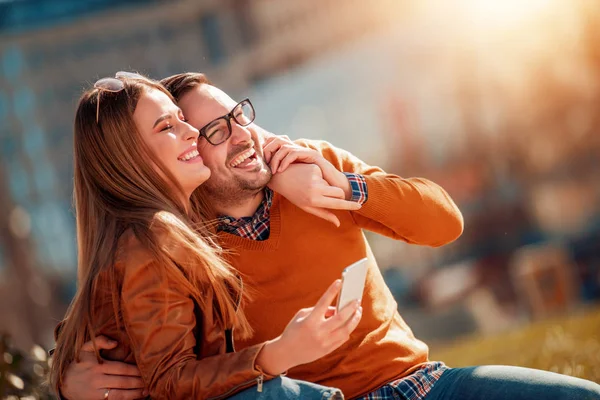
{"x":160,"y":321}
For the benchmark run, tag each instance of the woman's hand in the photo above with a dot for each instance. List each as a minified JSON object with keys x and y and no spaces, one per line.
{"x":87,"y":379}
{"x":303,"y":185}
{"x":311,"y":334}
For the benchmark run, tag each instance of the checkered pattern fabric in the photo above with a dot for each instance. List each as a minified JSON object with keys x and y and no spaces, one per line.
{"x":359,"y":187}
{"x":257,"y":226}
{"x":412,"y":387}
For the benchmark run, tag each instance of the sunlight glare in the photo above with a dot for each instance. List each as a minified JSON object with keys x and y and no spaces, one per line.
{"x":503,"y":14}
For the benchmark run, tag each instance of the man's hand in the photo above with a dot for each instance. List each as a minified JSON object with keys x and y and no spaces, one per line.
{"x":280,"y":152}
{"x":89,"y":380}
{"x":304,"y":186}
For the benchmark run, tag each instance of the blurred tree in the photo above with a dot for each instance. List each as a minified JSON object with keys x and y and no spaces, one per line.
{"x":24,"y":317}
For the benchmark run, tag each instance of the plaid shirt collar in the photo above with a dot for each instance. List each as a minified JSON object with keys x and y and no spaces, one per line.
{"x":255,"y":227}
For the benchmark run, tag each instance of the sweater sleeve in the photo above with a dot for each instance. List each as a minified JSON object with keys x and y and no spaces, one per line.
{"x":414,"y":210}
{"x":160,"y":321}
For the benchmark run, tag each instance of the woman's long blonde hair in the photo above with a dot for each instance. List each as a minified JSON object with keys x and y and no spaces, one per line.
{"x":118,"y":188}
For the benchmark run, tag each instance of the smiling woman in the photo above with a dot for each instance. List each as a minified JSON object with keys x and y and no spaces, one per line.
{"x":139,"y":239}
{"x":170,"y":138}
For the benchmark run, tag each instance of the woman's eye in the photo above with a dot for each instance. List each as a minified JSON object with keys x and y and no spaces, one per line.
{"x":167,"y":128}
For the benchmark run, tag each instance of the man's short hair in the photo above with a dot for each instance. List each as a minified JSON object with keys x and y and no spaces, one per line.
{"x":180,"y":84}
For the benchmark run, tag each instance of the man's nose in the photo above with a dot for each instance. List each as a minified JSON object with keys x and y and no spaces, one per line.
{"x":239,"y":134}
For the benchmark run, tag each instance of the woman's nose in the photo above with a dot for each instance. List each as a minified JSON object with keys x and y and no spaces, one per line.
{"x":190,"y":133}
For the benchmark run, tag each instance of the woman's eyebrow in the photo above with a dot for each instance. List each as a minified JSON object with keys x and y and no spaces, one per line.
{"x":158,"y":121}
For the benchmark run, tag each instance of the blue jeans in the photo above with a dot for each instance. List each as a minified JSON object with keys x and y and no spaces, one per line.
{"x":282,"y":388}
{"x":510,"y":383}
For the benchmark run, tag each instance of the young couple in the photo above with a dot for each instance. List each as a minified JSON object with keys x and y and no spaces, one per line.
{"x":210,"y":252}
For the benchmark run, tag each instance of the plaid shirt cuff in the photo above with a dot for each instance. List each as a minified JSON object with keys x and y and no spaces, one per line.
{"x":359,"y":187}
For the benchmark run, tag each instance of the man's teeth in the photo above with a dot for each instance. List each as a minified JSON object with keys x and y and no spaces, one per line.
{"x":242,"y":157}
{"x":190,"y":155}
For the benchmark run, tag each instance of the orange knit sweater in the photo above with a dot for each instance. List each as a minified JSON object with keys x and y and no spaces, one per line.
{"x":304,"y":254}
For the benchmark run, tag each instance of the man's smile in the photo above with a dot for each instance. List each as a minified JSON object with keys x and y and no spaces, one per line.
{"x":247,"y":158}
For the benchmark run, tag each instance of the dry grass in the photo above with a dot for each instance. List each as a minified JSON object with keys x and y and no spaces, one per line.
{"x":568,"y":345}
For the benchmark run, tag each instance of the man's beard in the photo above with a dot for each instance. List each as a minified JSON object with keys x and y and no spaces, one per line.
{"x":223,"y":193}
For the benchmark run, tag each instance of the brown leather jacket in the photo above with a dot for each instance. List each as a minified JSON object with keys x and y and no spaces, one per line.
{"x":178,"y":346}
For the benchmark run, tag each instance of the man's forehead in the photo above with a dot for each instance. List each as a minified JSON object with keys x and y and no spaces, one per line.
{"x":207,"y":96}
{"x":205,"y":103}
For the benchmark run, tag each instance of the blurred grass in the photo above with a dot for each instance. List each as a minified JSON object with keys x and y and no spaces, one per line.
{"x":568,"y":345}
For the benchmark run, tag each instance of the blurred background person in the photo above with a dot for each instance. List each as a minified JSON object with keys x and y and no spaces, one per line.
{"x":497,"y":102}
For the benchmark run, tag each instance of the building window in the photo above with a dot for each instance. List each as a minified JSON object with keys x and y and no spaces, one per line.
{"x":211,"y":34}
{"x":12,"y":63}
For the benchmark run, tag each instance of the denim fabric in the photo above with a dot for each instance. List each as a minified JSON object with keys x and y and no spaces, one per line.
{"x":495,"y":382}
{"x":282,"y":388}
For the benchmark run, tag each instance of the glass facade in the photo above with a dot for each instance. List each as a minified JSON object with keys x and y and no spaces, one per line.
{"x":17,"y":16}
{"x":41,"y":80}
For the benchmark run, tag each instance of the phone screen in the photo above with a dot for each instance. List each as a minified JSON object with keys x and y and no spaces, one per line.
{"x":353,"y":283}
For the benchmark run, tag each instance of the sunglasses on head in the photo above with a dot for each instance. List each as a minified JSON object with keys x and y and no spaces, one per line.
{"x":113,"y":85}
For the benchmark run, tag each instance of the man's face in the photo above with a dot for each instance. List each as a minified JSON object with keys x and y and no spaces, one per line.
{"x":237,"y":172}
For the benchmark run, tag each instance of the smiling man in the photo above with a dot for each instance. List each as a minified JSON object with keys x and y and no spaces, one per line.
{"x":289,"y":257}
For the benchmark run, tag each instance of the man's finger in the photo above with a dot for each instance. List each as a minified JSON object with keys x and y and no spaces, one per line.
{"x":122,"y":382}
{"x":121,"y":394}
{"x":102,"y":342}
{"x":120,"y":368}
{"x":336,"y":204}
{"x":326,"y":299}
{"x":332,"y":191}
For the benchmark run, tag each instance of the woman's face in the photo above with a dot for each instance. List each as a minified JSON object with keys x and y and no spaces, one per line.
{"x":171,"y":138}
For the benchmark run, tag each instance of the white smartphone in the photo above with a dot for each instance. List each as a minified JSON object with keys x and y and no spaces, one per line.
{"x":353,"y":283}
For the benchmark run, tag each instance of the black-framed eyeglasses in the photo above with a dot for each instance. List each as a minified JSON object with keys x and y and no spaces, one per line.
{"x":113,"y":85}
{"x":218,"y":130}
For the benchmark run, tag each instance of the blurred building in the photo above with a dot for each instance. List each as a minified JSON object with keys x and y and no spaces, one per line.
{"x":51,"y":50}
{"x":502,"y":113}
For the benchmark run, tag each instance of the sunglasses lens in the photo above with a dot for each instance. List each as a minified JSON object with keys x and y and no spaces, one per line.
{"x":110,"y":84}
{"x":128,"y":75}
